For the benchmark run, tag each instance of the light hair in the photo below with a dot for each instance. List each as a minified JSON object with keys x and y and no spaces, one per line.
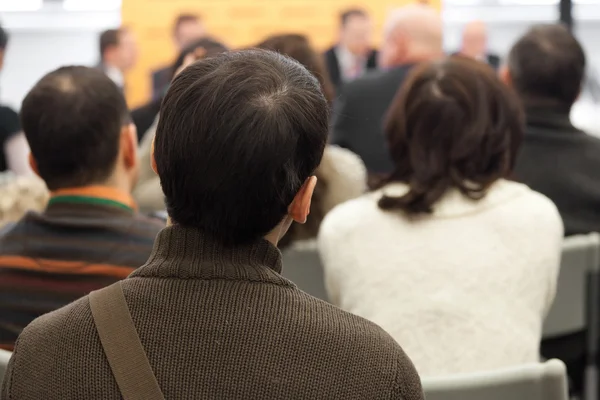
{"x":18,"y":195}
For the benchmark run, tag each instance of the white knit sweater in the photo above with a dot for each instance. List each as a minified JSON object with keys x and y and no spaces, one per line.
{"x":464,"y":289}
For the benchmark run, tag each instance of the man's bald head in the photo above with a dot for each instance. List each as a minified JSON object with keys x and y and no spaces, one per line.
{"x":474,"y":39}
{"x":411,"y":34}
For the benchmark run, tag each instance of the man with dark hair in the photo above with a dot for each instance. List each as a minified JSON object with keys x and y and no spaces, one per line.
{"x":118,"y":54}
{"x":546,"y":68}
{"x":209,"y":316}
{"x":84,"y":148}
{"x":353,"y":55}
{"x":187,"y":29}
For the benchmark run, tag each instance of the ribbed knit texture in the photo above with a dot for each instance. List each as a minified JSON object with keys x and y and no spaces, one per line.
{"x":216,"y":323}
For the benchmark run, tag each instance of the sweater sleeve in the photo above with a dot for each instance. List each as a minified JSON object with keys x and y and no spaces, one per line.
{"x":407,"y":385}
{"x":6,"y":392}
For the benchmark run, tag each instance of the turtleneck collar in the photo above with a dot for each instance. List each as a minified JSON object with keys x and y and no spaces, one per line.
{"x":187,"y":253}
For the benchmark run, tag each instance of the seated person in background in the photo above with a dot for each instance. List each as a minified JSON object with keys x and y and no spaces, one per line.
{"x":354,"y":54}
{"x":187,"y":29}
{"x":474,"y":44}
{"x":239,"y":137}
{"x":341,"y":176}
{"x":84,"y":148}
{"x":455,"y":261}
{"x":148,"y":193}
{"x":412,"y":34}
{"x":13,"y":145}
{"x":546,"y":67}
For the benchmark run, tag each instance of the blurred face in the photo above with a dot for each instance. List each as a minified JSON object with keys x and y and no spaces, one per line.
{"x":356,"y":35}
{"x":189,"y":32}
{"x":474,"y":41}
{"x":127,"y":52}
{"x":393,"y":50}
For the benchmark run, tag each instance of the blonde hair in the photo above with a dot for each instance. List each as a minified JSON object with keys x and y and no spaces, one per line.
{"x":18,"y":195}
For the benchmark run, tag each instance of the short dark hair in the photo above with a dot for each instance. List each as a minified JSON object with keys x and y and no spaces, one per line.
{"x":184,"y":19}
{"x":547,"y":63}
{"x":351,"y":12}
{"x":239,"y":134}
{"x":453,"y":124}
{"x":109,"y":38}
{"x":210,"y":46}
{"x":3,"y":39}
{"x":299,"y":48}
{"x":72,"y":119}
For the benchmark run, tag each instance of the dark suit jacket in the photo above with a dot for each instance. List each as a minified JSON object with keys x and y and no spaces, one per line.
{"x":563,"y":163}
{"x":360,"y":109}
{"x":160,"y":82}
{"x":493,"y":60}
{"x":333,"y":65}
{"x":143,"y":117}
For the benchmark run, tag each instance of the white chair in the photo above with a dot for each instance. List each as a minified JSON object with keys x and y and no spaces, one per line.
{"x":303,"y":267}
{"x":543,"y":381}
{"x":4,"y":357}
{"x":577,"y":303}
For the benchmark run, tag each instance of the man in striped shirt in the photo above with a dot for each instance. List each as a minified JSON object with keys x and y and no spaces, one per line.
{"x":83,"y":146}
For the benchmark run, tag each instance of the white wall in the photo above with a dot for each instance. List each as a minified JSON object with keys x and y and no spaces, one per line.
{"x":44,"y":40}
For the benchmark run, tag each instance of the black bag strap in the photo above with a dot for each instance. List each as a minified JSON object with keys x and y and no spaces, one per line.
{"x":122,"y":345}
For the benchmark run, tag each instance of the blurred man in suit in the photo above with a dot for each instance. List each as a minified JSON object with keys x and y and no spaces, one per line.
{"x":412,"y":34}
{"x":118,"y":54}
{"x":474,"y":44}
{"x":186,"y":29}
{"x":353,"y":55}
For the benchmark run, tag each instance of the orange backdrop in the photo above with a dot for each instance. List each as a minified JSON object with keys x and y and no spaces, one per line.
{"x":235,"y":22}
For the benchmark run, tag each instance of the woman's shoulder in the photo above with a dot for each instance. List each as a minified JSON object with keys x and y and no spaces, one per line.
{"x":525,"y":204}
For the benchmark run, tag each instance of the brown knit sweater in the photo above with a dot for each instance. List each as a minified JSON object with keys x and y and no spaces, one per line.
{"x":216,"y":323}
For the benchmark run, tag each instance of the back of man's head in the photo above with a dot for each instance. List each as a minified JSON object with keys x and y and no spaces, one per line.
{"x":73,"y":118}
{"x":239,"y":134}
{"x":547,"y":63}
{"x":412,"y":34}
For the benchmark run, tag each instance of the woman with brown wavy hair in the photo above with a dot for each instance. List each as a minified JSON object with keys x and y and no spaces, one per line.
{"x":341,"y":175}
{"x":456,"y":261}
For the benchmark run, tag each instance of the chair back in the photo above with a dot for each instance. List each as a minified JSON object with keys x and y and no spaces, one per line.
{"x":4,"y":357}
{"x":303,"y":267}
{"x":543,"y":381}
{"x":580,"y":255}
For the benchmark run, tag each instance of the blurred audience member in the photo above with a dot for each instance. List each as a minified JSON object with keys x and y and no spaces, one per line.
{"x":14,"y":150}
{"x":353,"y":55}
{"x":412,"y":34}
{"x":238,"y":139}
{"x":84,"y":148}
{"x":341,"y":176}
{"x":455,"y":261}
{"x":187,"y":29}
{"x":118,"y":54}
{"x":475,"y":44}
{"x":546,"y":67}
{"x":148,"y":192}
{"x":19,"y":195}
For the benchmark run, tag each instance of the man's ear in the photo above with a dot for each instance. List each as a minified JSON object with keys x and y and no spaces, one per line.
{"x":300,"y":207}
{"x":152,"y":159}
{"x":33,"y":164}
{"x":129,"y":143}
{"x":504,"y":75}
